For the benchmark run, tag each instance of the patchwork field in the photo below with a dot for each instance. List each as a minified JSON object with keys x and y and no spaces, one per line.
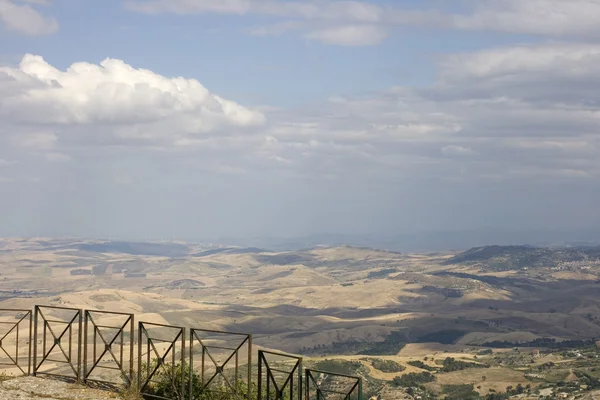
{"x":344,"y":302}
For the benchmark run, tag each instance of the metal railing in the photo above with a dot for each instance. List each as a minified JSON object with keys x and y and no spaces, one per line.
{"x":323,"y":385}
{"x":9,"y":356}
{"x":276,"y":375}
{"x":60,"y":325}
{"x":159,"y":363}
{"x":107,"y":332}
{"x":220,"y":364}
{"x":97,"y":347}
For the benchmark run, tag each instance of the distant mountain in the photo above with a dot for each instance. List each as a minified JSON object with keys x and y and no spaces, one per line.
{"x":518,"y":257}
{"x":135,"y":248}
{"x":230,"y":250}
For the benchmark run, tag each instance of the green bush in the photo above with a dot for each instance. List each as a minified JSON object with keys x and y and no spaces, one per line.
{"x":387,"y":365}
{"x":168,"y":380}
{"x":422,"y":365}
{"x":460,"y":392}
{"x":413,"y":379}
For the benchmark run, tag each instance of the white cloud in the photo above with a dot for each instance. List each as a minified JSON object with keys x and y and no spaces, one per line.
{"x":37,"y":140}
{"x":25,"y":19}
{"x":552,"y":73}
{"x":275,"y":29}
{"x":564,"y":59}
{"x":57,"y":157}
{"x":557,"y":18}
{"x":350,"y":35}
{"x":190,"y":6}
{"x":543,"y":17}
{"x":453,"y":150}
{"x":357,"y":11}
{"x":457,"y":129}
{"x":118,"y":94}
{"x":356,"y":23}
{"x":4,"y":163}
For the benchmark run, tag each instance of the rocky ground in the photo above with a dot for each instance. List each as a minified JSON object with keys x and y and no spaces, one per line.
{"x":30,"y":388}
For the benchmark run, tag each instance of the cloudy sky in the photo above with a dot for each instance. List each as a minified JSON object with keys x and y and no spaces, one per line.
{"x":199,"y":118}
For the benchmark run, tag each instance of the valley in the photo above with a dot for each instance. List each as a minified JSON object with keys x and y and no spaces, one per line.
{"x":506,"y":310}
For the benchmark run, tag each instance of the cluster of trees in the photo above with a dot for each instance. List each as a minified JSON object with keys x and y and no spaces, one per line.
{"x":387,"y":365}
{"x":392,"y":344}
{"x":450,"y":364}
{"x":460,"y":392}
{"x":467,"y":392}
{"x":550,"y":343}
{"x":414,"y":379}
{"x":343,"y":367}
{"x":422,"y":365}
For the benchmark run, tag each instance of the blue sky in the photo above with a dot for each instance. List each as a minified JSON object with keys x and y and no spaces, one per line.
{"x":297,"y":117}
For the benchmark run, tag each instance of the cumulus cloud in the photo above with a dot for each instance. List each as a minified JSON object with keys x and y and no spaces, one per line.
{"x":25,"y":19}
{"x":483,"y":119}
{"x":115,"y":93}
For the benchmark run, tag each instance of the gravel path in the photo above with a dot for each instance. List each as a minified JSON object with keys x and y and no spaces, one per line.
{"x":30,"y":388}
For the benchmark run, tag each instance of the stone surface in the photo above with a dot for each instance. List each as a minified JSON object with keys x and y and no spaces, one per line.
{"x":30,"y":388}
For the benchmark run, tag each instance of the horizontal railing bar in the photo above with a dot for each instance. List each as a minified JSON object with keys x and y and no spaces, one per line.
{"x":161,"y":325}
{"x":223,"y":332}
{"x":110,"y":312}
{"x":107,"y":326}
{"x":333,"y":373}
{"x":59,"y":308}
{"x":280,"y":354}
{"x":57,"y":321}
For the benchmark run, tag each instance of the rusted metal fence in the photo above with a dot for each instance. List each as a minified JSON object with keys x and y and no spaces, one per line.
{"x":97,"y":347}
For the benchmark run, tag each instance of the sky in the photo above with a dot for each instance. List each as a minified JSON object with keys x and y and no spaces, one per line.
{"x":189,"y":119}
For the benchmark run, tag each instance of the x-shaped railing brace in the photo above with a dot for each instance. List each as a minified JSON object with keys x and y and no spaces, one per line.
{"x":271,"y":376}
{"x":107,"y":346}
{"x":15,"y":361}
{"x":159,"y":358}
{"x":57,"y":339}
{"x":218,"y":368}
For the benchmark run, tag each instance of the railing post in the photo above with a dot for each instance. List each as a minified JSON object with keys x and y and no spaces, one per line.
{"x":249,"y":367}
{"x":139,"y":373}
{"x":85,"y":345}
{"x":79,"y":336}
{"x":131,"y":342}
{"x":35,"y":331}
{"x":259,"y":377}
{"x":30,"y":339}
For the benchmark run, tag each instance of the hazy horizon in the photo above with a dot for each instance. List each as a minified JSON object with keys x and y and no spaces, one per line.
{"x":271,"y":118}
